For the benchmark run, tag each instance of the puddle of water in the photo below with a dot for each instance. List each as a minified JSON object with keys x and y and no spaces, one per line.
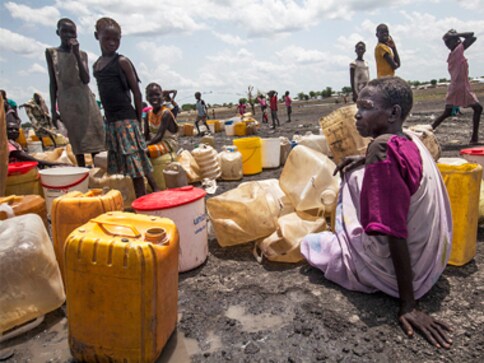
{"x":193,"y":347}
{"x":253,"y":323}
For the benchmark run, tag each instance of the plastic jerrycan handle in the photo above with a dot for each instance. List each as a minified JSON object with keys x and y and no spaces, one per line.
{"x":103,"y":224}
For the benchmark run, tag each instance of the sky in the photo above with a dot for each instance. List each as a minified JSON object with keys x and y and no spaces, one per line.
{"x":220,"y":47}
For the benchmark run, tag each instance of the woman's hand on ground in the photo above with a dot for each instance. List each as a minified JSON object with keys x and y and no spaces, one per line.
{"x":349,"y":163}
{"x":434,"y":330}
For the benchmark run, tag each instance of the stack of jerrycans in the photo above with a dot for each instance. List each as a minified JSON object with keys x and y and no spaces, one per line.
{"x":121,"y":277}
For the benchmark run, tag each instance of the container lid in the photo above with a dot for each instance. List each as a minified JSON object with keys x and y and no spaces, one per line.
{"x":473,"y":151}
{"x":169,"y":198}
{"x":21,"y":167}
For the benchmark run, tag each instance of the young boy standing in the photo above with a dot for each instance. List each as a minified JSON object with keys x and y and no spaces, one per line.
{"x":386,"y":54}
{"x":273,"y":107}
{"x":393,"y":219}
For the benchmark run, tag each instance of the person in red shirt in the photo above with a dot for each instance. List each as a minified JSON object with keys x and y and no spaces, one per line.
{"x":288,"y":103}
{"x":273,"y":106}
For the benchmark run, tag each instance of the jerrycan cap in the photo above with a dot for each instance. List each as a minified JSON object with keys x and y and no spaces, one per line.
{"x":328,"y":197}
{"x":169,"y":198}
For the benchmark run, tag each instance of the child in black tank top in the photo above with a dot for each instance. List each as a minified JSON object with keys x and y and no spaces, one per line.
{"x":117,"y":79}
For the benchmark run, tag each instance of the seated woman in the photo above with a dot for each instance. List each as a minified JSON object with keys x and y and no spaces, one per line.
{"x":38,"y":114}
{"x":393,"y":227}
{"x":16,"y":153}
{"x":160,"y":124}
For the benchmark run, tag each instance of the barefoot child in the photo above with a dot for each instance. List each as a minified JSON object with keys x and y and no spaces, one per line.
{"x":459,"y":92}
{"x":359,"y":71}
{"x":393,"y":220}
{"x":386,"y":54}
{"x":288,"y":103}
{"x":202,"y":112}
{"x":273,"y":106}
{"x":69,"y":78}
{"x":116,"y":80}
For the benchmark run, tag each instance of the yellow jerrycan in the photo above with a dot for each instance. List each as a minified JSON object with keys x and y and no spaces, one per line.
{"x":121,"y":277}
{"x":73,"y":209}
{"x":16,"y":205}
{"x":463,"y":186}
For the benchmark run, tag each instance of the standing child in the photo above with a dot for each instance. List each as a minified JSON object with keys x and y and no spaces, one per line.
{"x":459,"y":92}
{"x":386,"y":54}
{"x":202,"y":112}
{"x":241,"y":107}
{"x":263,"y":108}
{"x":273,"y":106}
{"x":393,"y":225}
{"x":69,"y":78}
{"x":288,"y":103}
{"x":116,"y":80}
{"x":359,"y":71}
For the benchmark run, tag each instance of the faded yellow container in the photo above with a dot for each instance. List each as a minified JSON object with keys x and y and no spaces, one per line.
{"x":240,"y":128}
{"x":21,"y":138}
{"x":217,"y":127}
{"x":24,"y":184}
{"x":121,"y":279}
{"x":72,"y":210}
{"x":159,"y":164}
{"x":463,"y":186}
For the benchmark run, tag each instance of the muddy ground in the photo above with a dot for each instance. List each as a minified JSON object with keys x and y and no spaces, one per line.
{"x":234,"y":309}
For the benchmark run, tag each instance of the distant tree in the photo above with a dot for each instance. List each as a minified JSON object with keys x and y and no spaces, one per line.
{"x":327,"y":92}
{"x":443,"y":80}
{"x":318,"y":93}
{"x":188,"y":106}
{"x":250,"y":99}
{"x":312,"y":94}
{"x":306,"y":97}
{"x":346,"y":90}
{"x":301,"y":96}
{"x":433,"y":82}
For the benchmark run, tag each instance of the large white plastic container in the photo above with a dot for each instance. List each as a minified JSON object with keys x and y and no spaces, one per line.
{"x":186,"y":207}
{"x":230,"y":130}
{"x":30,"y":279}
{"x":308,"y":181}
{"x":59,"y":181}
{"x":231,"y":163}
{"x":207,"y":159}
{"x":271,"y":153}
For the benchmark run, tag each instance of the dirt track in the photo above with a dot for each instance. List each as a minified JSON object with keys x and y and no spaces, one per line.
{"x":234,"y":309}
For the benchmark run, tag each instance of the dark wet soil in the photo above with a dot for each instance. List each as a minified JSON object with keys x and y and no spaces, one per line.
{"x":234,"y":309}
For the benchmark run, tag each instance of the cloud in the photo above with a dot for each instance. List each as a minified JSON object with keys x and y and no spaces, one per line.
{"x":45,"y":15}
{"x":167,"y":54}
{"x":34,"y":68}
{"x":230,"y":39}
{"x":19,"y":44}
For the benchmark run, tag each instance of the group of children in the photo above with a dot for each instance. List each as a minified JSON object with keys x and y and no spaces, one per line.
{"x":387,"y":60}
{"x":393,"y":222}
{"x":273,"y":106}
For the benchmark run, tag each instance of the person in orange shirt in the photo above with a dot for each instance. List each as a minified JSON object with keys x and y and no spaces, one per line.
{"x":386,"y":54}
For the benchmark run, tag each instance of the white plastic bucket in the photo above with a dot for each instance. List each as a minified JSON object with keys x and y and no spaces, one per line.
{"x":271,"y":153}
{"x":186,"y":207}
{"x":212,"y":128}
{"x":230,"y":130}
{"x":34,"y":147}
{"x":59,"y":181}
